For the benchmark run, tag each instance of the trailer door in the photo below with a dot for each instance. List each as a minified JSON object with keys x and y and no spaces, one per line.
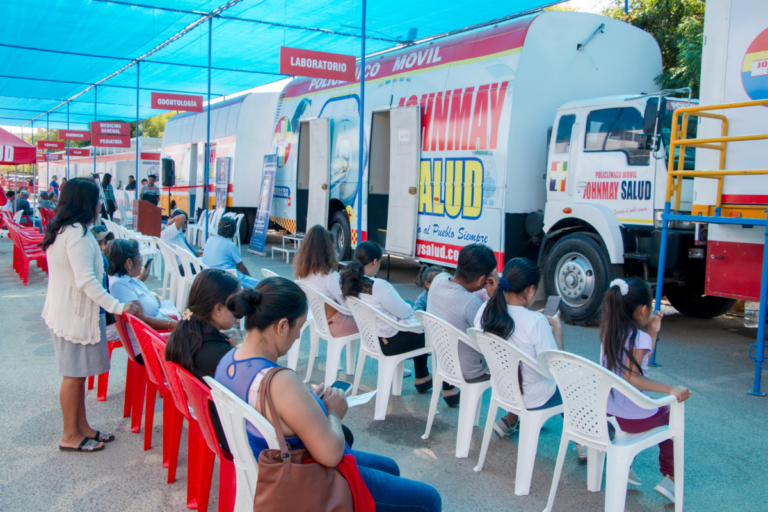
{"x":319,"y":172}
{"x":405,"y":155}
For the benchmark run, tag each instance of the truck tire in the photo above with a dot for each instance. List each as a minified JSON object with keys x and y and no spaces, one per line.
{"x":687,"y":301}
{"x":578,"y":270}
{"x":339,"y":227}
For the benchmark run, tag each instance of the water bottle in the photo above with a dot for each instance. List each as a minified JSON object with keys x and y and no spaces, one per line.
{"x":751,"y":314}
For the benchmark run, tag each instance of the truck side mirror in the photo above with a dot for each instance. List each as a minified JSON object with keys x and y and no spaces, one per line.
{"x":649,"y":118}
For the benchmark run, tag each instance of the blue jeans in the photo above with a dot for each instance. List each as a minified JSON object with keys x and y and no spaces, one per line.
{"x":391,"y":492}
{"x":553,"y":401}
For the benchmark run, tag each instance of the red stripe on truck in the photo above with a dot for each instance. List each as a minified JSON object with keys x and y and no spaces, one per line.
{"x":446,"y":253}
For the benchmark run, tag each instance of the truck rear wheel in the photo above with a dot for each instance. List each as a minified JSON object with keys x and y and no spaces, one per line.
{"x":343,"y":237}
{"x":689,"y":302}
{"x":578,"y":270}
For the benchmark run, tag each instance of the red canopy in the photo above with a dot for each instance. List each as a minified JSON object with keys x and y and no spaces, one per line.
{"x":14,"y":151}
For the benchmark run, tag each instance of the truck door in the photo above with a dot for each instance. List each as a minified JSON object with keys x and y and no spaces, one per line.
{"x":319,"y":172}
{"x":614,"y":168}
{"x":405,"y":154}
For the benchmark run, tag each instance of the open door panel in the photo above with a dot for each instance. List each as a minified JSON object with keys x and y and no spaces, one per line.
{"x":319,"y":172}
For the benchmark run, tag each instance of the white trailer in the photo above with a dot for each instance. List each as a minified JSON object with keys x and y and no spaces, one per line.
{"x":240,"y":137}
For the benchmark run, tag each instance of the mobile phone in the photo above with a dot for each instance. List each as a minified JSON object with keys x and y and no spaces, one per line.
{"x":553,"y":304}
{"x":148,"y":263}
{"x":346,"y":387}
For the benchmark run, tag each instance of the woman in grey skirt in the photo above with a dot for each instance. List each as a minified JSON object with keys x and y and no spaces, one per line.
{"x":74,"y":308}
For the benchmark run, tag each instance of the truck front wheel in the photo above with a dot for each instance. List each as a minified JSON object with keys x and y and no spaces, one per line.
{"x":341,"y":233}
{"x":578,"y":270}
{"x":689,"y":302}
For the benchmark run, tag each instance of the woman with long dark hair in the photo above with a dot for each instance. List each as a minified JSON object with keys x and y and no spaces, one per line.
{"x":74,"y":308}
{"x":508,"y":315}
{"x":274,"y":313}
{"x":358,"y":280}
{"x":109,"y":197}
{"x":315,"y":265}
{"x":627,"y":348}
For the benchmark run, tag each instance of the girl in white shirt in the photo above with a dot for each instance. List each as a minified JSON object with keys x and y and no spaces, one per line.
{"x":315,"y":265}
{"x":508,"y":316}
{"x":358,"y":280}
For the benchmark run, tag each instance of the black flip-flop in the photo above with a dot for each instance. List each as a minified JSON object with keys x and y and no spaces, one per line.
{"x":87,"y":445}
{"x":103,"y":438}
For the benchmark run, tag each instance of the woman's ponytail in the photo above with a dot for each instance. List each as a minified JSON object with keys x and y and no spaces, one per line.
{"x":353,"y":280}
{"x":618,"y":328}
{"x":517,"y":276}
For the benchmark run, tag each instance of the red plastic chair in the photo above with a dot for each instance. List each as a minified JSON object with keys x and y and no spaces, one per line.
{"x":199,"y":397}
{"x":23,"y":252}
{"x":194,"y":441}
{"x":103,"y":379}
{"x":155,"y":383}
{"x":135,"y":379}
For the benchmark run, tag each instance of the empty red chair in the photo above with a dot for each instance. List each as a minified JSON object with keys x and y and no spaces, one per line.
{"x":103,"y":379}
{"x":194,"y":442}
{"x":23,"y":252}
{"x":135,"y":379}
{"x":199,"y":397}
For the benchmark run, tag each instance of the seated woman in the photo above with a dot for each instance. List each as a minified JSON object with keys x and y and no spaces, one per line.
{"x":315,"y":265}
{"x":221,"y":252}
{"x":274,"y":312}
{"x":358,"y":280}
{"x":125,"y":284}
{"x":197,"y":344}
{"x":508,"y":316}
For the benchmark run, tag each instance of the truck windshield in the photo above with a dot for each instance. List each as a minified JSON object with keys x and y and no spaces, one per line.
{"x":666,"y":134}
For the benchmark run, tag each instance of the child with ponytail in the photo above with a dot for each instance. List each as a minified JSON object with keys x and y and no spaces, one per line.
{"x":627,"y":309}
{"x":507,"y":314}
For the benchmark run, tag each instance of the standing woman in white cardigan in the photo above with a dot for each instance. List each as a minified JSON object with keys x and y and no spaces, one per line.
{"x":74,"y":308}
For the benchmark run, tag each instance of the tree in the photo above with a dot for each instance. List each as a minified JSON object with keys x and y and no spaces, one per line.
{"x":678,"y":26}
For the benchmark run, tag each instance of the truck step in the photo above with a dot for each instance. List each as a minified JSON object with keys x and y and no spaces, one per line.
{"x":639,"y":256}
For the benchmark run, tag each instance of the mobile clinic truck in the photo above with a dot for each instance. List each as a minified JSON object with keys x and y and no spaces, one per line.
{"x":240,"y":137}
{"x":488,"y":136}
{"x":734,"y":70}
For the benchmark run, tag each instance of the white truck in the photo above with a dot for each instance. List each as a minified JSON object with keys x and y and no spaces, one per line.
{"x":535,"y":137}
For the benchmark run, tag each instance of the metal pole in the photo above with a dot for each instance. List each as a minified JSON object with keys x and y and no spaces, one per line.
{"x":68,"y":142}
{"x":760,"y":344}
{"x":34,"y":173}
{"x":660,"y":275}
{"x":138,"y":67}
{"x":626,"y":7}
{"x":208,"y":128}
{"x":95,"y":106}
{"x":48,"y":151}
{"x":361,"y":148}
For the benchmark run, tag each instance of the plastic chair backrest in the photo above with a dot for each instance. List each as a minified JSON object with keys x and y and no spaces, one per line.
{"x":122,"y":333}
{"x":198,"y":264}
{"x":144,"y":335}
{"x":177,"y":390}
{"x":445,"y":339}
{"x":18,"y":215}
{"x":233,"y":413}
{"x":365,"y":318}
{"x":184,"y":257}
{"x":317,"y":302}
{"x":198,"y":397}
{"x":504,"y":359}
{"x":584,"y":387}
{"x":268,"y":273}
{"x":169,"y":256}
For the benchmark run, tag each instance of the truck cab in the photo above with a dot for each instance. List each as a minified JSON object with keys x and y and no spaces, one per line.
{"x":605,"y":182}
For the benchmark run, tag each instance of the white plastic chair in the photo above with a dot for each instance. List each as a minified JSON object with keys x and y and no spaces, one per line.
{"x":504,"y":359}
{"x":584,"y":387}
{"x":320,"y":329}
{"x":445,"y":339}
{"x":390,"y":369}
{"x":233,"y":413}
{"x":238,"y":221}
{"x":171,"y":274}
{"x":147,"y":249}
{"x":193,"y":230}
{"x":126,"y":215}
{"x":185,"y":284}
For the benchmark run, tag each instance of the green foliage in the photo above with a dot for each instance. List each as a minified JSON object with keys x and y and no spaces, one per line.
{"x":678,"y":26}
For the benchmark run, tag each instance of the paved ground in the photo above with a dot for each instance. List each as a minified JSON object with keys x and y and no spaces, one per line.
{"x":725,"y":448}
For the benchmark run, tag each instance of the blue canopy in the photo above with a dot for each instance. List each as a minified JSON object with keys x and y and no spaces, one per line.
{"x":56,"y":50}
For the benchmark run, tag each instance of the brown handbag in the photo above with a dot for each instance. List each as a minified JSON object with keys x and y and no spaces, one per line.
{"x":285,"y":483}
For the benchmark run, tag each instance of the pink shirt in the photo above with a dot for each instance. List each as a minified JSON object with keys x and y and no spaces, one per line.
{"x":618,"y":404}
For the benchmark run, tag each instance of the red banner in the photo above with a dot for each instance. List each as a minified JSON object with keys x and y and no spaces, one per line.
{"x":334,"y":66}
{"x":56,"y":157}
{"x":110,"y":141}
{"x":79,"y":152}
{"x":50,"y":144}
{"x":184,"y":102}
{"x":74,"y":135}
{"x":109,"y":128}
